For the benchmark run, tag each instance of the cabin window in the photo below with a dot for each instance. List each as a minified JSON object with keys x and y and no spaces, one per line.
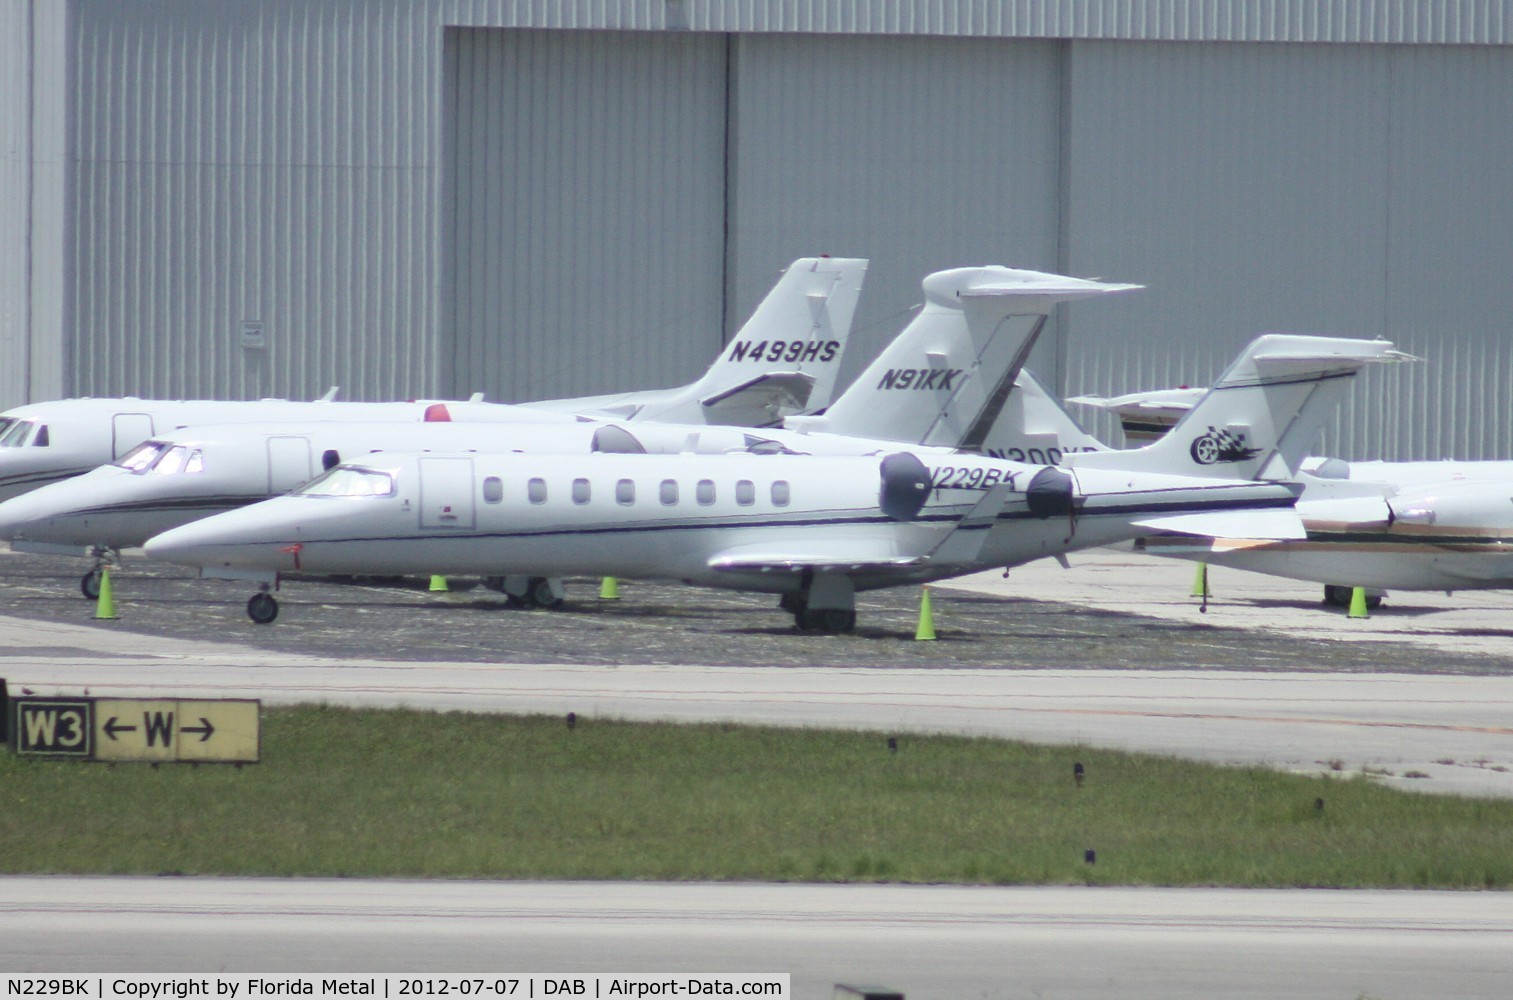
{"x":535,"y":491}
{"x":704,"y":492}
{"x":493,"y":489}
{"x":781,"y":495}
{"x":625,"y":492}
{"x":330,"y":458}
{"x":669,"y":492}
{"x":582,"y":492}
{"x":745,"y":492}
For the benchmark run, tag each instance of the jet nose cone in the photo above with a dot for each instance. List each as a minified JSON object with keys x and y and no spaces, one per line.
{"x":15,"y":515}
{"x":188,"y":545}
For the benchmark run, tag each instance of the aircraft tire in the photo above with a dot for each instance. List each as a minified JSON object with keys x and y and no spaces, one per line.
{"x":262,"y":608}
{"x":828,"y":620}
{"x":89,"y":585}
{"x":542,"y":595}
{"x":837,"y":620}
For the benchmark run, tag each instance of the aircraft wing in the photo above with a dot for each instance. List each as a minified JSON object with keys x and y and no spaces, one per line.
{"x":959,"y":546}
{"x":1245,"y":524}
{"x":860,"y":555}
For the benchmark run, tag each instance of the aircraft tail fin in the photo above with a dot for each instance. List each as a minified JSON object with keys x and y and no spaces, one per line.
{"x":1035,"y":428}
{"x":786,"y":357}
{"x":1260,"y":418}
{"x":945,"y":379}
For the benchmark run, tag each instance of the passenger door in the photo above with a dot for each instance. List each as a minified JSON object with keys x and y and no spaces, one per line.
{"x":129,"y":430}
{"x":288,"y":464}
{"x":446,"y":493}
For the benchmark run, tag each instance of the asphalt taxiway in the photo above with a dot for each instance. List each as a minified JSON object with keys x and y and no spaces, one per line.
{"x":1112,"y":652}
{"x":931,"y":942}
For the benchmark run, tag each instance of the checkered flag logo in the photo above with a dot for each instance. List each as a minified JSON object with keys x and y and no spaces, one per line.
{"x":1221,"y":446}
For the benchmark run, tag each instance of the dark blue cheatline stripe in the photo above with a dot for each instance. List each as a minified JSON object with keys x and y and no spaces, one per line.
{"x":1399,"y":538}
{"x":1193,"y":506}
{"x":43,"y":478}
{"x":161,"y":506}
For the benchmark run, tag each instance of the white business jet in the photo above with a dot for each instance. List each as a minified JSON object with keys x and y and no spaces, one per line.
{"x":943,"y":381}
{"x":813,"y":529}
{"x":801,"y":328}
{"x":1425,"y":525}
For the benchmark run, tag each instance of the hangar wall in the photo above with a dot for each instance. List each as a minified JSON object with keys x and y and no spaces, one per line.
{"x":1346,"y":190}
{"x":934,"y":153}
{"x":583,"y":211}
{"x":258,"y":174}
{"x":240,"y":199}
{"x":15,"y":205}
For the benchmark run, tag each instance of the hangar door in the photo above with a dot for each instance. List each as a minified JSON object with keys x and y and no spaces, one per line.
{"x":919,"y":153}
{"x":582,"y":210}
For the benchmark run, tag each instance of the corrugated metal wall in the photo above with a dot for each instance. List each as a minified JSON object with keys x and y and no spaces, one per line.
{"x":199,"y":166}
{"x":254,"y":163}
{"x":1300,"y":189}
{"x":15,"y":197}
{"x":583,"y":210}
{"x":1465,"y":22}
{"x":924,"y":155}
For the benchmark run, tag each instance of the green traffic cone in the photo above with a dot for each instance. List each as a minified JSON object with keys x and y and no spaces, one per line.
{"x":1200,"y":582}
{"x":926,"y":629}
{"x":609,"y":590}
{"x":439,"y":584}
{"x":1358,"y":603}
{"x":105,"y":605}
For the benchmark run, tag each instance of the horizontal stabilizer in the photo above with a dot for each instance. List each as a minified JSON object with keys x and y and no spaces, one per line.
{"x":760,"y":401}
{"x":1267,"y":524}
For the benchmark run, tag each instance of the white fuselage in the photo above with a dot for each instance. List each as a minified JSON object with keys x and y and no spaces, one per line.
{"x":200,"y":471}
{"x":1453,"y":534}
{"x":48,"y":442}
{"x":748,"y":522}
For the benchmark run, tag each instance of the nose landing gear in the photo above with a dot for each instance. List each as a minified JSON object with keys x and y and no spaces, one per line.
{"x":262,"y":607}
{"x":89,"y":584}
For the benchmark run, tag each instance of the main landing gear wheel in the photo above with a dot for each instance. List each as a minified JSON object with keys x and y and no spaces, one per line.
{"x":89,"y":585}
{"x":542,"y":594}
{"x":538,"y":592}
{"x":262,"y":608}
{"x":829,"y":620}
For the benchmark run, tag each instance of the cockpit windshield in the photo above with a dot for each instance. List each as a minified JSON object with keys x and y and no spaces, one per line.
{"x":349,"y":481}
{"x":142,"y":456}
{"x":162,"y":459}
{"x":16,"y":433}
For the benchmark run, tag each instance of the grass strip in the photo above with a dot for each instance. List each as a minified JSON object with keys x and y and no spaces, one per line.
{"x":349,"y":792}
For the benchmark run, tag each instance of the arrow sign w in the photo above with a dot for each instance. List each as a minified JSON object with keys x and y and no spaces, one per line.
{"x":204,"y":729}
